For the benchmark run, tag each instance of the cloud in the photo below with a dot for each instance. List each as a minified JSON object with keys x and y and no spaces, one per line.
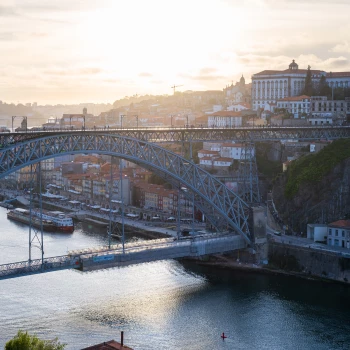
{"x":344,"y":47}
{"x":7,"y":11}
{"x":8,"y":36}
{"x":204,"y":74}
{"x":145,"y":75}
{"x":207,"y":70}
{"x":71,"y":72}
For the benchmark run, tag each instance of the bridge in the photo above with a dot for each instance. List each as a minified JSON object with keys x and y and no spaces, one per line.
{"x":224,"y":209}
{"x":129,"y":254}
{"x":181,"y":135}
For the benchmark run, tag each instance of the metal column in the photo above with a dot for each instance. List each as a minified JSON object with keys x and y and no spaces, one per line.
{"x":36,"y":240}
{"x":248,"y":188}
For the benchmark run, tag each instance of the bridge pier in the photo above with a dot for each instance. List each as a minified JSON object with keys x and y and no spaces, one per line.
{"x":259,"y":234}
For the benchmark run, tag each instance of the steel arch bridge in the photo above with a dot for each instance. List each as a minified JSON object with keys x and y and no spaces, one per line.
{"x":171,"y":135}
{"x":222,"y":207}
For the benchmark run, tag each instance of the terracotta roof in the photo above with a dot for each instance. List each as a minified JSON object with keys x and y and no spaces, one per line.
{"x":288,"y":71}
{"x":208,"y":152}
{"x":108,"y":345}
{"x":244,"y":104}
{"x":294,"y":98}
{"x":340,"y":223}
{"x":205,"y":158}
{"x":337,"y":74}
{"x":223,"y":159}
{"x":226,"y":114}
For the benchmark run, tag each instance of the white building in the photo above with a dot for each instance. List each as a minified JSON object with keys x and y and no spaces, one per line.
{"x":322,"y":107}
{"x":224,"y":119}
{"x":296,"y":105}
{"x":240,"y":92}
{"x":317,"y":232}
{"x":232,"y":150}
{"x":222,"y":162}
{"x":339,"y":233}
{"x":271,"y":85}
{"x":238,"y":107}
{"x":207,"y":153}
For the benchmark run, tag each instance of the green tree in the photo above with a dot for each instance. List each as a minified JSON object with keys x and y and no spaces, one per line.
{"x":308,"y":89}
{"x":323,"y":88}
{"x":25,"y":341}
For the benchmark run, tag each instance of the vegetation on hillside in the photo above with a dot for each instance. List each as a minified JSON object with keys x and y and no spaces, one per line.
{"x":313,"y":168}
{"x":269,"y":168}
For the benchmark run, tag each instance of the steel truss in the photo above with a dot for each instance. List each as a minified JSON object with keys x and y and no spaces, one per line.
{"x":248,"y":188}
{"x":181,"y":135}
{"x":222,"y":207}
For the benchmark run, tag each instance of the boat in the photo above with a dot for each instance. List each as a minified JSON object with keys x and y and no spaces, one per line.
{"x":63,"y":222}
{"x":23,"y":216}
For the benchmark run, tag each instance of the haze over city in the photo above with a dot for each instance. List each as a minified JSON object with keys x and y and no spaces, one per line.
{"x":88,"y":51}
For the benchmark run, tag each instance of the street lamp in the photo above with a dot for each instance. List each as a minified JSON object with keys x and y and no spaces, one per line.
{"x":137,"y":121}
{"x":121,"y":120}
{"x":171,"y":119}
{"x":23,"y":118}
{"x":83,"y":116}
{"x":186,"y":120}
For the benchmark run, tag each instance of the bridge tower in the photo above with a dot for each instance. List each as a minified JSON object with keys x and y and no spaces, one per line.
{"x":36,"y":236}
{"x":248,"y":188}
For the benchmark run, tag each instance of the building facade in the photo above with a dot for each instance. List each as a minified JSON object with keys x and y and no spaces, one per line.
{"x":296,"y":105}
{"x":269,"y":86}
{"x":339,"y":233}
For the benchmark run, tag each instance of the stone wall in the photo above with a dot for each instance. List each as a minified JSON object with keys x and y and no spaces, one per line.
{"x":310,"y":262}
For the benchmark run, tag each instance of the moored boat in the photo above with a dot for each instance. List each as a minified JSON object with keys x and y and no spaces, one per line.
{"x":63,"y":222}
{"x":23,"y":216}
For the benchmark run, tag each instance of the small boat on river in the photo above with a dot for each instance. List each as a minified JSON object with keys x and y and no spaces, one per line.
{"x":23,"y":216}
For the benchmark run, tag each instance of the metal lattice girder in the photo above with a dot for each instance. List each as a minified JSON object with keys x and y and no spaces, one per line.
{"x":248,"y":189}
{"x":170,"y":135}
{"x":222,"y":207}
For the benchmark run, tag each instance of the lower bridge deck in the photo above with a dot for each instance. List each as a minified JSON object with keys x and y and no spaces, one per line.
{"x":129,"y":254}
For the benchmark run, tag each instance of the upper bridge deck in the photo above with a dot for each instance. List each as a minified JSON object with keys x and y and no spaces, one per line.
{"x":197,"y":134}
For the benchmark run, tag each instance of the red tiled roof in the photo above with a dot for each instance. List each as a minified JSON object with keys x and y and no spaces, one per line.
{"x":244,"y":104}
{"x":294,"y":98}
{"x":208,"y":152}
{"x":288,"y":71}
{"x":337,"y":74}
{"x":226,"y":114}
{"x":223,"y":159}
{"x":108,"y":345}
{"x":340,"y":223}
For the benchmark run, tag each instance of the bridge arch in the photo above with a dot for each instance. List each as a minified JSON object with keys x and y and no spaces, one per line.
{"x":222,"y":207}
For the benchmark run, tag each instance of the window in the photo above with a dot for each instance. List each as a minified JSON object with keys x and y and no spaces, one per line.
{"x":336,"y":232}
{"x":336,"y":242}
{"x":343,"y":233}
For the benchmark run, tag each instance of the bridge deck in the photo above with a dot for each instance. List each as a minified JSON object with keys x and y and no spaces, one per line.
{"x":134,"y":253}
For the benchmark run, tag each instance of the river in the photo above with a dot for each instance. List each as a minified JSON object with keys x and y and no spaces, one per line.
{"x":166,"y":304}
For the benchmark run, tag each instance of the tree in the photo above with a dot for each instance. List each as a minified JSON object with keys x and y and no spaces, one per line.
{"x":25,"y":341}
{"x":308,"y":89}
{"x":323,"y":88}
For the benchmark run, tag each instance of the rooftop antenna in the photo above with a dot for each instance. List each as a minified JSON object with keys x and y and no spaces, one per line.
{"x":175,"y":86}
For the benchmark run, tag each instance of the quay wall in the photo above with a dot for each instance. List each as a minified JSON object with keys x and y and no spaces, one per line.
{"x":310,"y":262}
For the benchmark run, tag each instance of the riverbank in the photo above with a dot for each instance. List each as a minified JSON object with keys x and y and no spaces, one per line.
{"x":229,"y":263}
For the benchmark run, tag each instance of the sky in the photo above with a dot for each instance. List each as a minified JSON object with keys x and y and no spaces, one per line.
{"x":77,"y":51}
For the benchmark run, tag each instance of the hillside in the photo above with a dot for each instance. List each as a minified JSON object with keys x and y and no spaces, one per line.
{"x":315,"y":188}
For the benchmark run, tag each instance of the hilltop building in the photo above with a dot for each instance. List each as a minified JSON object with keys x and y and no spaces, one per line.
{"x":269,"y":86}
{"x":238,"y":93}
